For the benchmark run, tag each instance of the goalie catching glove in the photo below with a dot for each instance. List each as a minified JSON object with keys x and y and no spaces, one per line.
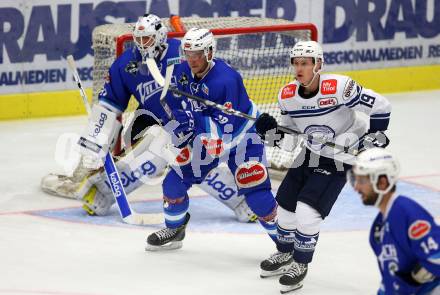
{"x":99,"y":136}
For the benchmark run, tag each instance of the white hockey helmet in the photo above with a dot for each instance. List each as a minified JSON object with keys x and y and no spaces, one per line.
{"x":307,"y":49}
{"x":149,"y":35}
{"x":199,"y":39}
{"x":376,"y":162}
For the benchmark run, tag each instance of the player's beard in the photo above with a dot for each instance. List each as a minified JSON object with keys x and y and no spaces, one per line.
{"x":370,"y":198}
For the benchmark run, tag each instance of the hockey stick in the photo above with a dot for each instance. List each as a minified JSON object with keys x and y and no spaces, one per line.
{"x":127,"y":214}
{"x":233,"y":112}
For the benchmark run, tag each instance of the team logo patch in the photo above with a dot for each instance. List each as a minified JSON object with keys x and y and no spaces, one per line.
{"x":329,"y":86}
{"x":214,"y":147}
{"x":107,"y":79}
{"x":288,"y":91}
{"x":228,"y":105}
{"x":418,"y":229}
{"x":141,"y":28}
{"x":194,"y":87}
{"x":187,"y":45}
{"x":132,"y":68}
{"x":327,"y":102}
{"x":184,"y":157}
{"x":183,"y":80}
{"x":250,"y":174}
{"x":349,"y":87}
{"x":205,"y":89}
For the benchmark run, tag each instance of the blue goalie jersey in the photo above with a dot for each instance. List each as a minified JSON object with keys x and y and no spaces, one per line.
{"x":128,"y":76}
{"x":223,"y":85}
{"x":405,"y":237}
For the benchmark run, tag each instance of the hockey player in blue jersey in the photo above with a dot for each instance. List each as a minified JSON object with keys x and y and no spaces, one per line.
{"x":325,"y":106}
{"x":129,"y":76}
{"x":404,"y":235}
{"x":212,"y":137}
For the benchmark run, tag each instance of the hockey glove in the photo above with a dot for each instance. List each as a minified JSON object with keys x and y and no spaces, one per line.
{"x":377,"y":139}
{"x":183,"y":131}
{"x":267,"y":129}
{"x":418,"y":276}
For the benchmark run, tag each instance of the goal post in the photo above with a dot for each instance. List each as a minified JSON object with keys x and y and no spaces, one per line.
{"x":258,"y":48}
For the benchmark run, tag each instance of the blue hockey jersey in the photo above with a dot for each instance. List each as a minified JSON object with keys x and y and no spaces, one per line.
{"x":223,"y":85}
{"x":402,"y":238}
{"x":128,"y":76}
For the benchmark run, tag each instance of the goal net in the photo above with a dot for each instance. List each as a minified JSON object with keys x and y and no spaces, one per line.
{"x":258,"y":48}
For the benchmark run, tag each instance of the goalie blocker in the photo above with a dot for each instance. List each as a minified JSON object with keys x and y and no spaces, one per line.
{"x":99,"y":136}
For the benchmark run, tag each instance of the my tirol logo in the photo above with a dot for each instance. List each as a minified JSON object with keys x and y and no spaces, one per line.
{"x":250,"y":174}
{"x":329,"y":86}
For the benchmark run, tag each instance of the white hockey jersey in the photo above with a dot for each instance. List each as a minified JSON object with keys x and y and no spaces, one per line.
{"x":331,"y":113}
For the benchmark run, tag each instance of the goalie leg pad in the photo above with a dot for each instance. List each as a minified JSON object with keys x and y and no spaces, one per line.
{"x":220,"y":184}
{"x":139,"y":166}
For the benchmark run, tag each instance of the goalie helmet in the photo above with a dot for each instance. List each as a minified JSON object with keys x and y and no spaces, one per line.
{"x":149,"y":35}
{"x":376,"y":162}
{"x":199,"y":39}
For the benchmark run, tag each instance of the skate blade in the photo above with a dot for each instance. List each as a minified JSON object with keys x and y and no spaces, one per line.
{"x":286,"y":289}
{"x":282,"y":270}
{"x":170,"y":246}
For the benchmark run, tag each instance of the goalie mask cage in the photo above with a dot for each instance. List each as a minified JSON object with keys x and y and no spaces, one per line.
{"x":258,"y":48}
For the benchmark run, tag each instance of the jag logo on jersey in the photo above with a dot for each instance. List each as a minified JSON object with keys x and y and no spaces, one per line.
{"x":329,"y":86}
{"x":418,"y":229}
{"x":288,"y":91}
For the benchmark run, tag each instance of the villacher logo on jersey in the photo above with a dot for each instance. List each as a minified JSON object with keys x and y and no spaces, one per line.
{"x":329,"y":86}
{"x":251,"y":174}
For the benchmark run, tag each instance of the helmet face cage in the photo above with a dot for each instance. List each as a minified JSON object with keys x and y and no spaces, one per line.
{"x":199,"y":39}
{"x":150,"y":26}
{"x":308,"y":49}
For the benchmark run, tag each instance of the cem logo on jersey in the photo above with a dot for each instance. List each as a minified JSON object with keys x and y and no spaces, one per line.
{"x":329,"y":86}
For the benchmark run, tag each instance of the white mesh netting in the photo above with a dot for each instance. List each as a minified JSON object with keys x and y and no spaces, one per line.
{"x":261,"y":57}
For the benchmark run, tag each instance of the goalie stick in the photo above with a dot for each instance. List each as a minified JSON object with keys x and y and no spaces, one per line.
{"x":127,"y":214}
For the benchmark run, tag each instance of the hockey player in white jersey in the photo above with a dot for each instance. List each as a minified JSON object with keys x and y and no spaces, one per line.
{"x":324,"y":106}
{"x":128,"y":77}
